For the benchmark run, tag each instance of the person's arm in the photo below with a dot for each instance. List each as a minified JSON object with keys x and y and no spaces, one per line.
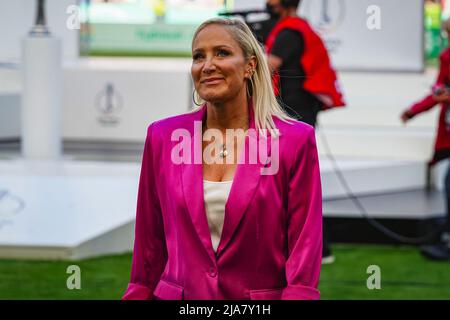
{"x":274,"y":62}
{"x":290,"y":45}
{"x":304,"y":224}
{"x":433,"y":99}
{"x":425,"y":104}
{"x":325,"y":99}
{"x":287,"y":46}
{"x":150,"y":252}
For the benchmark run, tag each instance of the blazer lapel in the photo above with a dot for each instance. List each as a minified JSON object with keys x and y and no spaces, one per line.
{"x":192,"y":184}
{"x":245,"y":183}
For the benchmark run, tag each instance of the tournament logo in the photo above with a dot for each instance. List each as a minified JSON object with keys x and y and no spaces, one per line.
{"x":10,"y":206}
{"x":109,"y":102}
{"x":326,"y":16}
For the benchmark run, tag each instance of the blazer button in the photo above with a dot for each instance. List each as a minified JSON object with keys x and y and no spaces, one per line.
{"x":212,"y":272}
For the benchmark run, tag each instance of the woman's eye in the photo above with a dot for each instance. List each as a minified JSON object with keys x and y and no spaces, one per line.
{"x":222,"y":53}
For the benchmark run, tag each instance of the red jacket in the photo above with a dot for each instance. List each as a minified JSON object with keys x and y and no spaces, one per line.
{"x":320,"y":75}
{"x":442,"y":143}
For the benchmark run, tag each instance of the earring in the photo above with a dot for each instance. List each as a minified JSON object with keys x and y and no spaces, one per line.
{"x":193,"y":99}
{"x":250,"y":87}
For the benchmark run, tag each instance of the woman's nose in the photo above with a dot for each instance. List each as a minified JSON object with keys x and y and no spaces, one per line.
{"x":209,"y":65}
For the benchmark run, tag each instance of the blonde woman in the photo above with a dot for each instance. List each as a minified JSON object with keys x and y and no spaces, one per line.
{"x":229,"y":203}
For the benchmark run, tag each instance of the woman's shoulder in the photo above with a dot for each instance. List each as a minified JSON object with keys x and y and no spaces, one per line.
{"x":294,"y":129}
{"x":297,"y":140}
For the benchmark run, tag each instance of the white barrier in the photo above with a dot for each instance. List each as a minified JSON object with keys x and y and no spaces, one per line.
{"x":41,"y":98}
{"x":116,"y":99}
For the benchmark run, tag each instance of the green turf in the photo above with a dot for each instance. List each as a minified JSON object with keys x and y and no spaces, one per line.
{"x":404,"y":275}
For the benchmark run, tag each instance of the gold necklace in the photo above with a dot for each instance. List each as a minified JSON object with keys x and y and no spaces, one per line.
{"x":224,"y":152}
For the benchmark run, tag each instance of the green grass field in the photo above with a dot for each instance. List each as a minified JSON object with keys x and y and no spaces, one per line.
{"x":404,"y":275}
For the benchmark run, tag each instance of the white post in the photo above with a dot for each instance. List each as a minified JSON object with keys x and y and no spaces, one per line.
{"x":42,"y":92}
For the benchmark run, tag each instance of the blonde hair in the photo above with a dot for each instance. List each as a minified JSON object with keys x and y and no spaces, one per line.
{"x":265,"y":103}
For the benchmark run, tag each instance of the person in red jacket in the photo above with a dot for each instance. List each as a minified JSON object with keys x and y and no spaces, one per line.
{"x":440,"y":95}
{"x":304,"y":81}
{"x":303,"y":75}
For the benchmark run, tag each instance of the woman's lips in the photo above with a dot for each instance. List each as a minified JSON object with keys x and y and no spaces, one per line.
{"x":212,"y":81}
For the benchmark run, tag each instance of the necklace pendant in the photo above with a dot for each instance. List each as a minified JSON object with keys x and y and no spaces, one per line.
{"x":223,"y":153}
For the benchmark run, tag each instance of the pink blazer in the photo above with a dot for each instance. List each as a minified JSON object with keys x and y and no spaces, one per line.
{"x":271,"y":242}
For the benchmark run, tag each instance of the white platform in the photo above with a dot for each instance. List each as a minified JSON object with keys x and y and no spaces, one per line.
{"x":366,"y":177}
{"x":71,"y":209}
{"x":79,"y":209}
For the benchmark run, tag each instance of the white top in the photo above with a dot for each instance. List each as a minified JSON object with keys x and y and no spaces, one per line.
{"x":216,"y":195}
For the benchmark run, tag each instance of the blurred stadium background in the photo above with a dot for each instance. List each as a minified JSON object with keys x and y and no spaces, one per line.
{"x":117,"y":64}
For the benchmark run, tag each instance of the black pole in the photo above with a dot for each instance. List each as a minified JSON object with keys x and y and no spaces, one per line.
{"x":40,"y":17}
{"x":40,"y":27}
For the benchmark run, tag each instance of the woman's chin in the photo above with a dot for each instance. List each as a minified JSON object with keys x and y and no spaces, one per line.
{"x":214,"y":99}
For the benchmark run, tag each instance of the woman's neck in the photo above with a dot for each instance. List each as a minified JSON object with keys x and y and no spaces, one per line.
{"x":229,"y":115}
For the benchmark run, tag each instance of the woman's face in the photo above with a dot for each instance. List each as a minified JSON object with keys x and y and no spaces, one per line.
{"x":219,"y":67}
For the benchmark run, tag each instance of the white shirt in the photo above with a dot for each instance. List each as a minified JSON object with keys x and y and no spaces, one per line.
{"x":216,"y":195}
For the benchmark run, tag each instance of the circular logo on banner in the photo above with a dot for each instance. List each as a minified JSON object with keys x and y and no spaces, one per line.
{"x":326,"y":16}
{"x":10,"y":205}
{"x":109,"y":102}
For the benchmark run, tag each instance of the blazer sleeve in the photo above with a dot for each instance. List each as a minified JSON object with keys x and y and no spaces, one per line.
{"x":150,"y":252}
{"x":304,"y":224}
